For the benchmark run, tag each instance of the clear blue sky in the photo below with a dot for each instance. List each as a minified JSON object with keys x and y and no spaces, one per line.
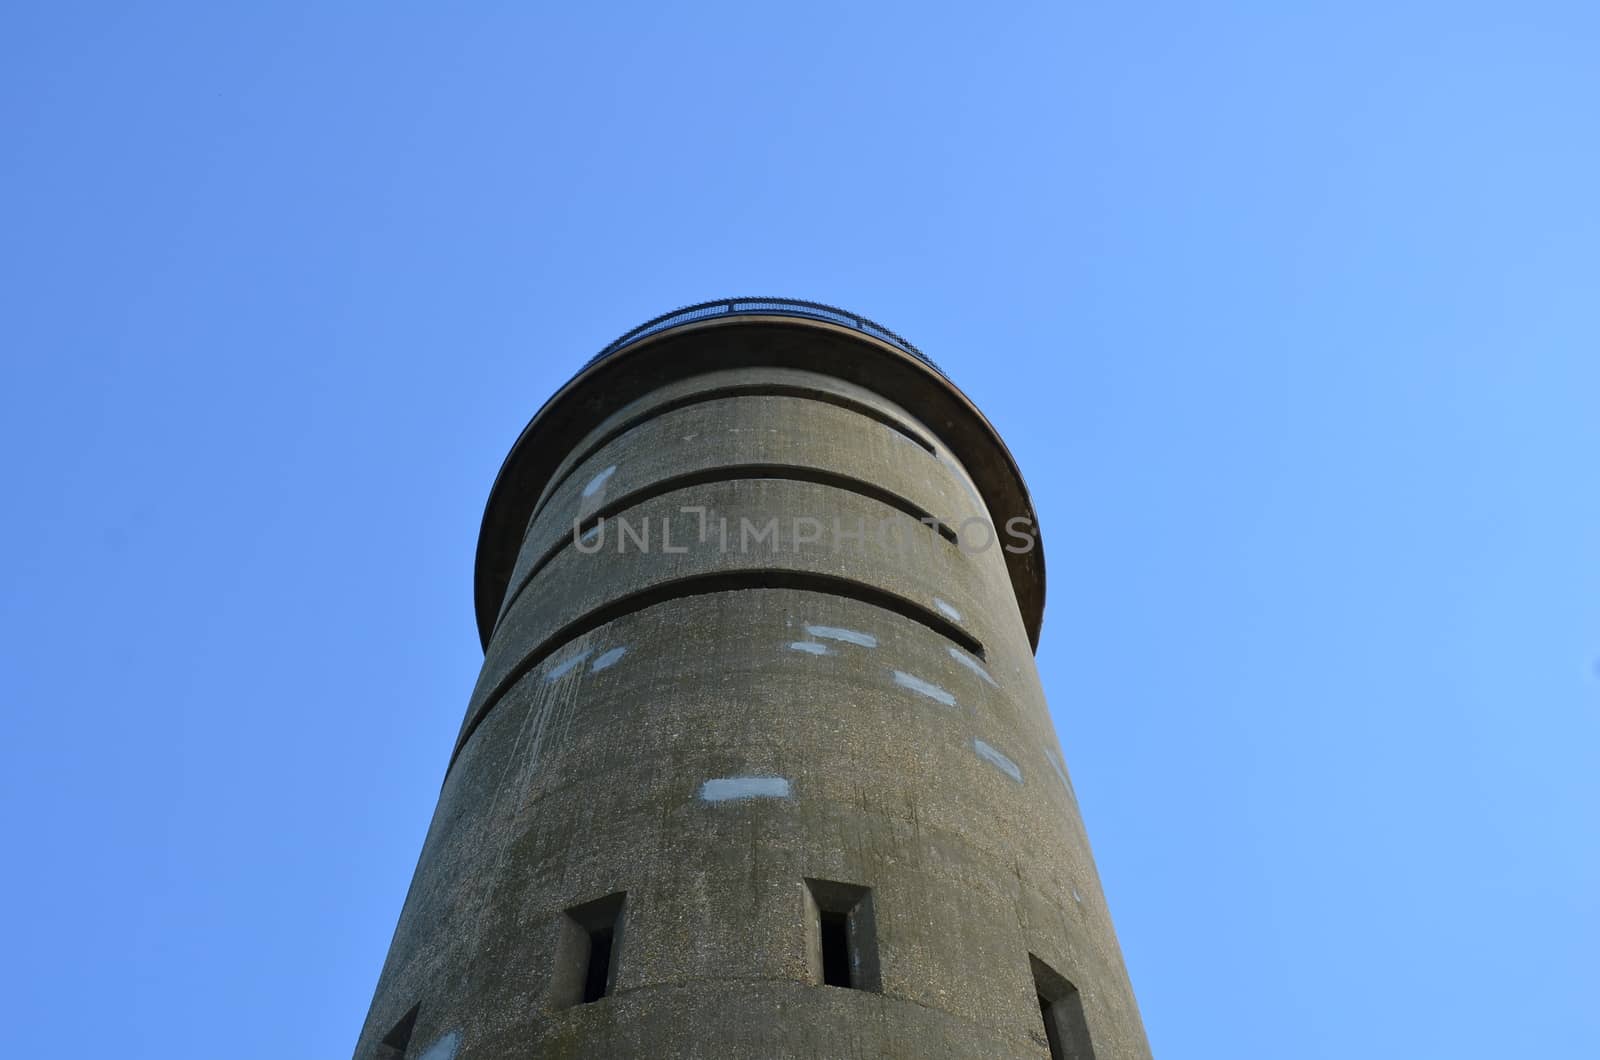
{"x":1291,"y":318}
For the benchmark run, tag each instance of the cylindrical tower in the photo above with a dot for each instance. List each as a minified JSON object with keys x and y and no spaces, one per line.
{"x":758,"y":763}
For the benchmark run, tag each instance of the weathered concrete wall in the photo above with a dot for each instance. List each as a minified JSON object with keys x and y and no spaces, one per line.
{"x":707,"y":729}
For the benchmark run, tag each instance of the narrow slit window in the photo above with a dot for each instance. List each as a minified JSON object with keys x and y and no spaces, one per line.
{"x":835,"y":949}
{"x":398,"y":1040}
{"x":588,"y":938}
{"x":1061,"y":1008}
{"x":842,"y":947}
{"x":599,"y":974}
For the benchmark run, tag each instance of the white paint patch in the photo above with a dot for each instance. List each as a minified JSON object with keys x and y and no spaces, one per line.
{"x":445,"y":1048}
{"x":564,"y":667}
{"x":1061,"y":770}
{"x":607,"y":660}
{"x":810,"y":647}
{"x":730,"y":789}
{"x":998,"y":760}
{"x":970,"y":663}
{"x":1076,"y":897}
{"x":849,"y":636}
{"x":918,"y":685}
{"x":598,"y":483}
{"x":949,"y":612}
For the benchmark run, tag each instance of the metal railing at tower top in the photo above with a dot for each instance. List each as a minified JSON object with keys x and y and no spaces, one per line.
{"x":728,"y":307}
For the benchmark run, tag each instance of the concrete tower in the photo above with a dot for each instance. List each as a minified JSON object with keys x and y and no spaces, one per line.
{"x":758,"y":764}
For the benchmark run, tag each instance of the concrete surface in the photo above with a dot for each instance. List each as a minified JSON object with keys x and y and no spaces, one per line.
{"x":690,"y":736}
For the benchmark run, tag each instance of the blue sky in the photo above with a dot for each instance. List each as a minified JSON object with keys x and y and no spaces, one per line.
{"x":1288,"y":314}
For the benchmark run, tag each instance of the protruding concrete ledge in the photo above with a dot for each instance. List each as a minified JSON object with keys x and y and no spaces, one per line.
{"x":704,"y":585}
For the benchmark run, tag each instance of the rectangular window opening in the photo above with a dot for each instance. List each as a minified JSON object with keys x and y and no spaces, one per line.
{"x":398,"y":1040}
{"x":588,"y":939}
{"x":1061,"y":1008}
{"x":842,"y":946}
{"x":595,"y":982}
{"x":835,"y":949}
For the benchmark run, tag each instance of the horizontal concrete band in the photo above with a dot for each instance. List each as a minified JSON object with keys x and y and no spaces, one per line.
{"x":855,"y":696}
{"x":966,"y":597}
{"x":722,"y":582}
{"x":740,"y":433}
{"x":809,"y":391}
{"x":618,"y":510}
{"x":734,"y":382}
